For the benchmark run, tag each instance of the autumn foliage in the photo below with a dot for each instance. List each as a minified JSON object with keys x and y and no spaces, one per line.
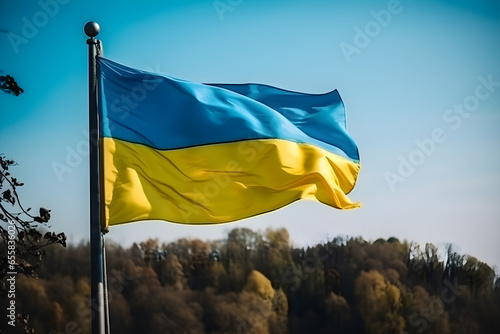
{"x":256,"y":282}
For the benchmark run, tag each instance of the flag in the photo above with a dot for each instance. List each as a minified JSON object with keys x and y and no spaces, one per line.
{"x":196,"y":153}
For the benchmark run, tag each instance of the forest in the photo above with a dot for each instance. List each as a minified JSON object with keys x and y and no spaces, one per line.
{"x":257,"y":282}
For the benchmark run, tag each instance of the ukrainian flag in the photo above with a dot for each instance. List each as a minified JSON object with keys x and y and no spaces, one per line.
{"x":195,"y":153}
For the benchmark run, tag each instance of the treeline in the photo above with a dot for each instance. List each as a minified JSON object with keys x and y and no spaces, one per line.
{"x":257,"y":283}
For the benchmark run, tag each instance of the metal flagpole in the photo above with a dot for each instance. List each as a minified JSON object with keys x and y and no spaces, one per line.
{"x":106,"y":296}
{"x":96,"y":244}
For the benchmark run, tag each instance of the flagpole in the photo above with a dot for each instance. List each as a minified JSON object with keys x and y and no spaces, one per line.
{"x":96,"y":244}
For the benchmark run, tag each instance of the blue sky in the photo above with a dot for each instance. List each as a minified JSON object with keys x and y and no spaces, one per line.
{"x":420,"y":81}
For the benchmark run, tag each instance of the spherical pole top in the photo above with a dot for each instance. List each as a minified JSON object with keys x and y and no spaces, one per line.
{"x":91,"y":29}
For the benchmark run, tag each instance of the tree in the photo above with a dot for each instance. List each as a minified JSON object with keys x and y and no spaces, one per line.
{"x":9,"y":85}
{"x":23,"y":242}
{"x":379,"y":303}
{"x":241,"y":243}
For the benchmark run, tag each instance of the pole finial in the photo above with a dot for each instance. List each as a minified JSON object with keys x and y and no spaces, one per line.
{"x":91,"y":29}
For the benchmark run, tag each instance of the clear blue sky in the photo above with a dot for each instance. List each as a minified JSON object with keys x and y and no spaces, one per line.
{"x":420,"y":81}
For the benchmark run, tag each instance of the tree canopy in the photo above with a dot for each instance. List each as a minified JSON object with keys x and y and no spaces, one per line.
{"x":259,"y":283}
